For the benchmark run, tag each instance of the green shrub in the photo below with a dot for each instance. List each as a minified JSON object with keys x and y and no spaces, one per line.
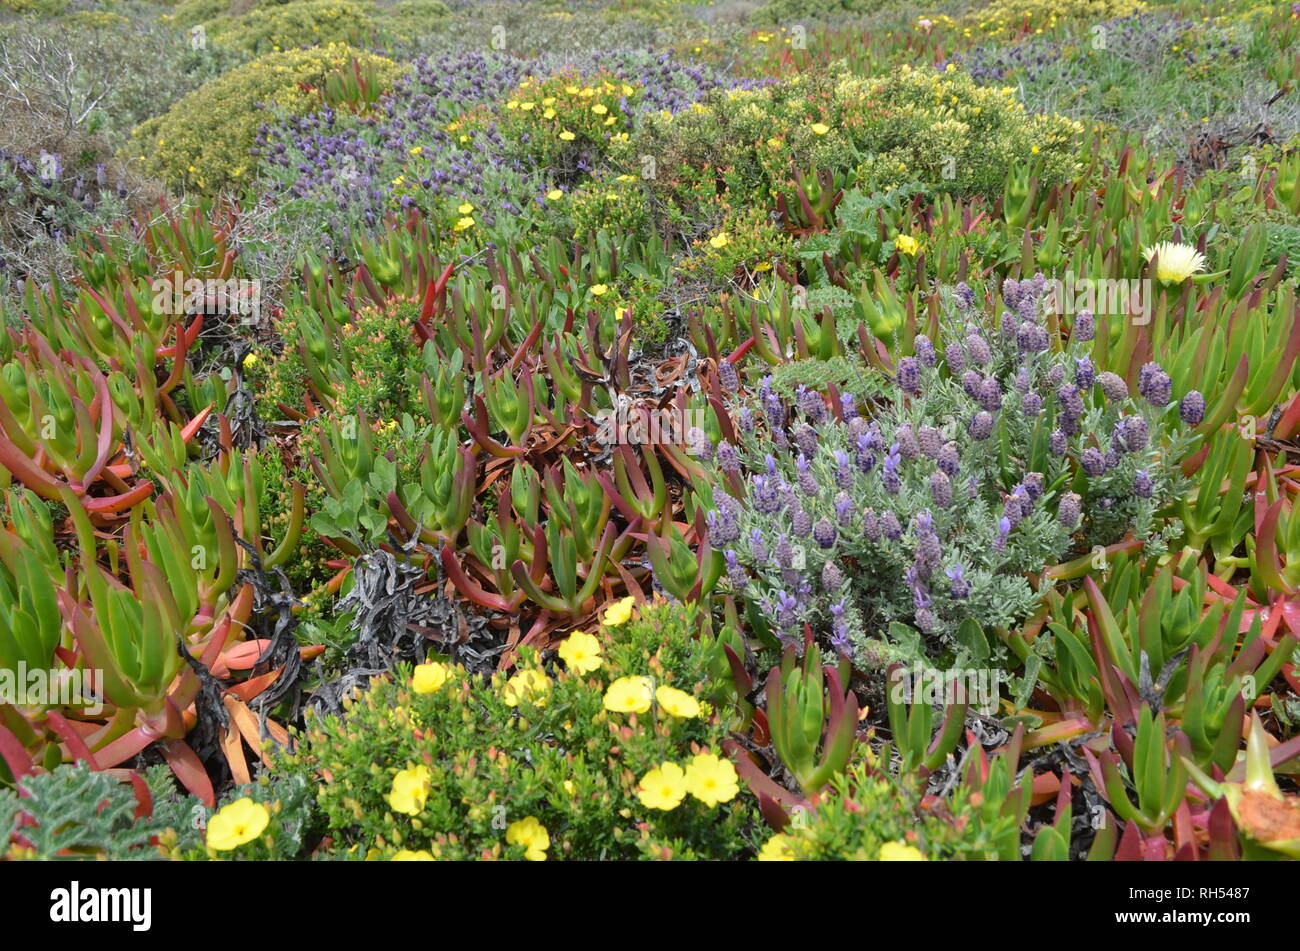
{"x":203,"y":142}
{"x":193,"y":12}
{"x":801,"y":11}
{"x":936,"y":128}
{"x":411,"y":19}
{"x":461,"y":771}
{"x":275,"y":28}
{"x":1012,"y":14}
{"x":47,"y":8}
{"x":867,"y":815}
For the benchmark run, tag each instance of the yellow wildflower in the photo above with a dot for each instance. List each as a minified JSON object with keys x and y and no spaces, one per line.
{"x":628,"y":695}
{"x":532,"y":835}
{"x":662,"y":788}
{"x":620,"y":611}
{"x":237,"y":823}
{"x":527,"y":684}
{"x":410,"y":790}
{"x":581,"y":653}
{"x":711,"y":779}
{"x":900,"y":852}
{"x":429,"y":678}
{"x":677,"y":703}
{"x":776,"y":849}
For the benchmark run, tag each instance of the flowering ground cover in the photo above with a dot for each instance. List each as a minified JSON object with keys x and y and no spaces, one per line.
{"x":603,"y":430}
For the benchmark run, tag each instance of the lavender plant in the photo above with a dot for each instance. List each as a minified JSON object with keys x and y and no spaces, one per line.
{"x":993,"y":453}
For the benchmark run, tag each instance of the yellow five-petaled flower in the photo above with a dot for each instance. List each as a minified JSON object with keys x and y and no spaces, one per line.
{"x":410,"y":790}
{"x":240,"y":822}
{"x":629,"y":695}
{"x":663,"y":788}
{"x":581,"y":653}
{"x":532,"y":835}
{"x":429,"y":678}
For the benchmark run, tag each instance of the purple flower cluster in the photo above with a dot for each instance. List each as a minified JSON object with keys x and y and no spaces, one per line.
{"x":348,"y":163}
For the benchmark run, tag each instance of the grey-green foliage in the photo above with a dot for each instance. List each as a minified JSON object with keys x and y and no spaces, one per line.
{"x":78,"y":813}
{"x":968,"y":552}
{"x":777,"y":12}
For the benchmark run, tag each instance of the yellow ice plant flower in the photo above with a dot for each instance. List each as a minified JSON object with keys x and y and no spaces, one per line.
{"x":555,"y":194}
{"x":677,"y":703}
{"x":620,"y":611}
{"x":416,"y":150}
{"x":526,"y":685}
{"x":719,"y":240}
{"x":429,"y":678}
{"x":463,"y":224}
{"x":907,"y":244}
{"x":250,"y":360}
{"x":581,"y":653}
{"x":662,"y":788}
{"x":527,"y":106}
{"x":406,"y":855}
{"x":711,"y":779}
{"x":465,"y":208}
{"x":599,"y":108}
{"x":629,"y":695}
{"x":548,"y":114}
{"x":410,"y":790}
{"x":900,"y":852}
{"x":237,"y":823}
{"x":1175,"y":262}
{"x":567,"y":136}
{"x":820,"y":128}
{"x":599,"y":290}
{"x":532,"y":835}
{"x":776,"y":849}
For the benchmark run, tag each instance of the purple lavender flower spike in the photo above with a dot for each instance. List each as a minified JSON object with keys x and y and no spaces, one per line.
{"x":1143,"y":487}
{"x":1068,"y":511}
{"x":949,"y":460}
{"x":824,"y":533}
{"x":909,"y":375}
{"x":1191,"y":410}
{"x":1113,"y":385}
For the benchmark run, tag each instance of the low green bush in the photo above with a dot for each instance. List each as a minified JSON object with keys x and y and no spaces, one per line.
{"x":610,"y":751}
{"x":204,"y":141}
{"x":271,"y":29}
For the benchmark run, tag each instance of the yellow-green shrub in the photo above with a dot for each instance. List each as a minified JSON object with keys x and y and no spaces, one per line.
{"x":203,"y":142}
{"x":288,"y":26}
{"x":939,"y":129}
{"x":1003,"y":14}
{"x":39,"y":7}
{"x":409,"y":19}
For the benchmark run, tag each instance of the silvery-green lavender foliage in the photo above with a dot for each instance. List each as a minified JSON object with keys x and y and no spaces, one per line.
{"x":997,"y":452}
